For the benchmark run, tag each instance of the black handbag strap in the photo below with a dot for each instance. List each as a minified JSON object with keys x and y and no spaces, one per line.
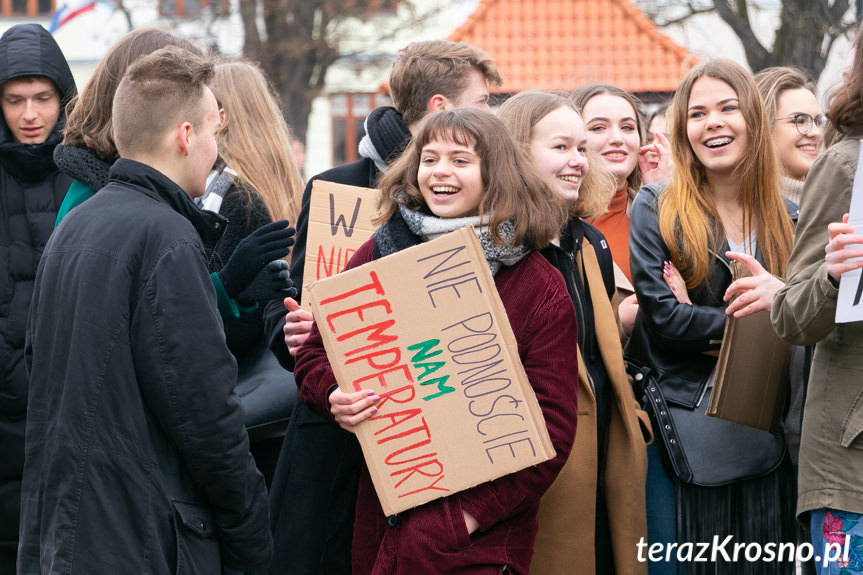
{"x":660,"y":415}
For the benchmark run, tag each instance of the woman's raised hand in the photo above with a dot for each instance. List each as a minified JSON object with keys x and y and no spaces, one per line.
{"x":838,"y":251}
{"x":754,"y":293}
{"x":654,"y":160}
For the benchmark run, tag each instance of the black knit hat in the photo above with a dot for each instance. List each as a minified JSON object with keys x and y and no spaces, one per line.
{"x":388,"y":132}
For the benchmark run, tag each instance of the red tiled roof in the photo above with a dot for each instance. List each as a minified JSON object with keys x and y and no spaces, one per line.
{"x":562,"y":44}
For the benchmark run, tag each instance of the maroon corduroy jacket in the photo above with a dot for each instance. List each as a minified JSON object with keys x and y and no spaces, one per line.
{"x":433,"y":538}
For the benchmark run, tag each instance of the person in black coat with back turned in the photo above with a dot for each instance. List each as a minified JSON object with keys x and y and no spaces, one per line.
{"x":314,"y":489}
{"x":137,"y":454}
{"x":35,"y":86}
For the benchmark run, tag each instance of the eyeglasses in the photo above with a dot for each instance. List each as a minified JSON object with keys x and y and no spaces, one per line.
{"x":803,"y":122}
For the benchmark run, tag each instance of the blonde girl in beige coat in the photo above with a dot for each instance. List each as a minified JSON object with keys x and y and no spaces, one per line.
{"x":593,"y":516}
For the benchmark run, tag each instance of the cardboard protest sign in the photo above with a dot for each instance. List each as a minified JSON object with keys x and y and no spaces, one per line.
{"x":339,"y":222}
{"x":426,"y":330}
{"x":849,"y":305}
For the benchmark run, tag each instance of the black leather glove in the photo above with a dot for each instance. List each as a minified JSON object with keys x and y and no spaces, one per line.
{"x":273,"y":282}
{"x":267,"y":243}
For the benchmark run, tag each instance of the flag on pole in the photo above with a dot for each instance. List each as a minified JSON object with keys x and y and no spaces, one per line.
{"x":67,"y":12}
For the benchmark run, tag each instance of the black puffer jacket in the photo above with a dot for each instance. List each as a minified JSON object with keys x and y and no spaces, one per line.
{"x":31,"y":190}
{"x":137,"y":455}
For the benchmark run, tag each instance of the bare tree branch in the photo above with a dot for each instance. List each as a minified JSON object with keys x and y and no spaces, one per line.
{"x":737,"y":16}
{"x":806,"y":33}
{"x":251,"y":34}
{"x":297,"y":41}
{"x":121,"y":6}
{"x":689,"y":14}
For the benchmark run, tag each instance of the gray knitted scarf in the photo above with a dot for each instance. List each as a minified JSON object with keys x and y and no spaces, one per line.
{"x":429,"y":227}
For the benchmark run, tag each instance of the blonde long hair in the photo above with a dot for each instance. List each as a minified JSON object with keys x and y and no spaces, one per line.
{"x":521,"y":113}
{"x":688,"y":219}
{"x":255,"y":140}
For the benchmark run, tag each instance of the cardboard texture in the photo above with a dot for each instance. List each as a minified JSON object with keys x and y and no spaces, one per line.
{"x":751,"y":379}
{"x":425,"y":329}
{"x":340,"y":221}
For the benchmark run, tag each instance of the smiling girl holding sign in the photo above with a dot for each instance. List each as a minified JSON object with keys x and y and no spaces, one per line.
{"x":462,"y":169}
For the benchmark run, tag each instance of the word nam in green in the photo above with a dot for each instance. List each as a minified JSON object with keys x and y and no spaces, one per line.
{"x":424,"y":352}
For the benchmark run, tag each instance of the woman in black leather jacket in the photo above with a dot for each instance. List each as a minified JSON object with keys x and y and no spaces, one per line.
{"x":723,"y":203}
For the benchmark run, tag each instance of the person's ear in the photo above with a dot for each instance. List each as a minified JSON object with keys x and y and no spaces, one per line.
{"x":184,"y":137}
{"x":437,"y":103}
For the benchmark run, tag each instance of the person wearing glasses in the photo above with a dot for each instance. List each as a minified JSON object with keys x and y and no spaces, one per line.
{"x":798,"y":135}
{"x":792,"y":110}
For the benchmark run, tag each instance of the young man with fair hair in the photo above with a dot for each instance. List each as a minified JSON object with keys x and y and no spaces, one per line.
{"x":137,"y":455}
{"x":313,"y":533}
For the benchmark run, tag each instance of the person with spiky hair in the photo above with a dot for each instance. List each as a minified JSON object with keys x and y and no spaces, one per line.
{"x":137,"y":454}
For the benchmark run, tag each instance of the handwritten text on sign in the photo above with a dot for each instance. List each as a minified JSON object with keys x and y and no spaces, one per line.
{"x":455,"y":408}
{"x":339,"y":223}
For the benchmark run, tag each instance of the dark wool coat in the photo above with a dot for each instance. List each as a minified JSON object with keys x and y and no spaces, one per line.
{"x":433,"y":538}
{"x":137,"y":455}
{"x":312,"y":534}
{"x":31,"y":190}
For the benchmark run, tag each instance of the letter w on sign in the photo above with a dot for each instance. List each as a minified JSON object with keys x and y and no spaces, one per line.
{"x":334,"y":221}
{"x":340,"y":221}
